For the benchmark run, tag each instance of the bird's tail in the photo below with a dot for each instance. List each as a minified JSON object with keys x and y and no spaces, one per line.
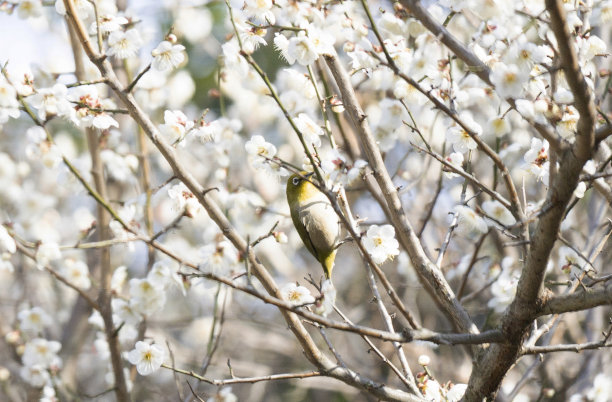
{"x":328,"y":264}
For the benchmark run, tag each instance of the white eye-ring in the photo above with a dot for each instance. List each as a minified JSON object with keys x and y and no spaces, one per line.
{"x":296,"y":181}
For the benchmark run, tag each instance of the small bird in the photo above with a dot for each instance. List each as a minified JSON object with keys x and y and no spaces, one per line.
{"x":315,"y":220}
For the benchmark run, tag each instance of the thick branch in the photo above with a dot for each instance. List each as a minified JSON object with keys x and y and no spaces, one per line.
{"x":489,"y":371}
{"x":577,"y":301}
{"x":431,"y":275}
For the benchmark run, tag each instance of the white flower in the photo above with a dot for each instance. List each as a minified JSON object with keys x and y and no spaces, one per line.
{"x":251,"y":37}
{"x":325,"y":304}
{"x":469,"y":223}
{"x":184,"y":200}
{"x":601,"y":390}
{"x":296,"y":295}
{"x":146,"y":298}
{"x":119,"y":167}
{"x":301,"y":49}
{"x":37,"y":376}
{"x":167,"y":56}
{"x":498,"y":212}
{"x":33,"y":320}
{"x":509,"y":80}
{"x":580,"y":189}
{"x":52,"y":102}
{"x":125,"y":312}
{"x":9,"y":106}
{"x":29,"y":9}
{"x":498,"y":126}
{"x":380,"y":243}
{"x":571,"y":263}
{"x":219,"y":258}
{"x":537,"y":159}
{"x":164,"y":273}
{"x":42,"y":352}
{"x":591,"y":47}
{"x":223,"y":395}
{"x":77,"y":273}
{"x":5,"y":263}
{"x":460,"y":138}
{"x":563,"y":95}
{"x":335,"y":166}
{"x":431,"y":389}
{"x":568,"y":125}
{"x":503,"y":290}
{"x":118,"y":278}
{"x":311,"y":131}
{"x":260,"y":10}
{"x":147,"y":358}
{"x":124,"y":44}
{"x":175,"y":126}
{"x":455,"y":159}
{"x":259,"y":151}
{"x":233,"y":60}
{"x":456,"y":392}
{"x":7,"y":243}
{"x":84,"y":8}
{"x":41,"y":148}
{"x":46,"y":253}
{"x":108,"y":23}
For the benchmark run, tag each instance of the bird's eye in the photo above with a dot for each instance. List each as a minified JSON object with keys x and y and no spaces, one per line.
{"x":296,"y":181}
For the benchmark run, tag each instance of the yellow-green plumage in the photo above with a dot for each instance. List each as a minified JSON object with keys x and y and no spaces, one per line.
{"x":315,"y":220}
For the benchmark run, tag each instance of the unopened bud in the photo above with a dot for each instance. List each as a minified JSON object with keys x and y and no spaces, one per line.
{"x":424,"y":360}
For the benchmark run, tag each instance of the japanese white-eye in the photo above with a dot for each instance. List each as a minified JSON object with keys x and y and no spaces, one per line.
{"x":315,"y":220}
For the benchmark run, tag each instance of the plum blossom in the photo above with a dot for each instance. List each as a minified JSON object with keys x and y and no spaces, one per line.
{"x":46,"y":253}
{"x":147,"y":297}
{"x":509,"y":80}
{"x":7,"y":243}
{"x":338,"y":169}
{"x":503,"y":290}
{"x":89,"y":108}
{"x":469,"y":223}
{"x":176,"y":125}
{"x":108,"y":23}
{"x":260,"y":151}
{"x":33,"y":320}
{"x":41,"y":148}
{"x":460,"y":138}
{"x":184,"y":200}
{"x":77,"y":273}
{"x":296,"y":295}
{"x":311,"y":131}
{"x":455,"y":159}
{"x":123,"y":45}
{"x":42,"y":352}
{"x":380,"y":243}
{"x":219,"y":258}
{"x":325,"y":304}
{"x":9,"y":106}
{"x":147,"y":358}
{"x":260,"y":10}
{"x":223,"y":395}
{"x":52,"y":102}
{"x":37,"y":375}
{"x":497,"y":211}
{"x":580,"y":190}
{"x":537,"y":160}
{"x":125,"y":312}
{"x":167,"y":56}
